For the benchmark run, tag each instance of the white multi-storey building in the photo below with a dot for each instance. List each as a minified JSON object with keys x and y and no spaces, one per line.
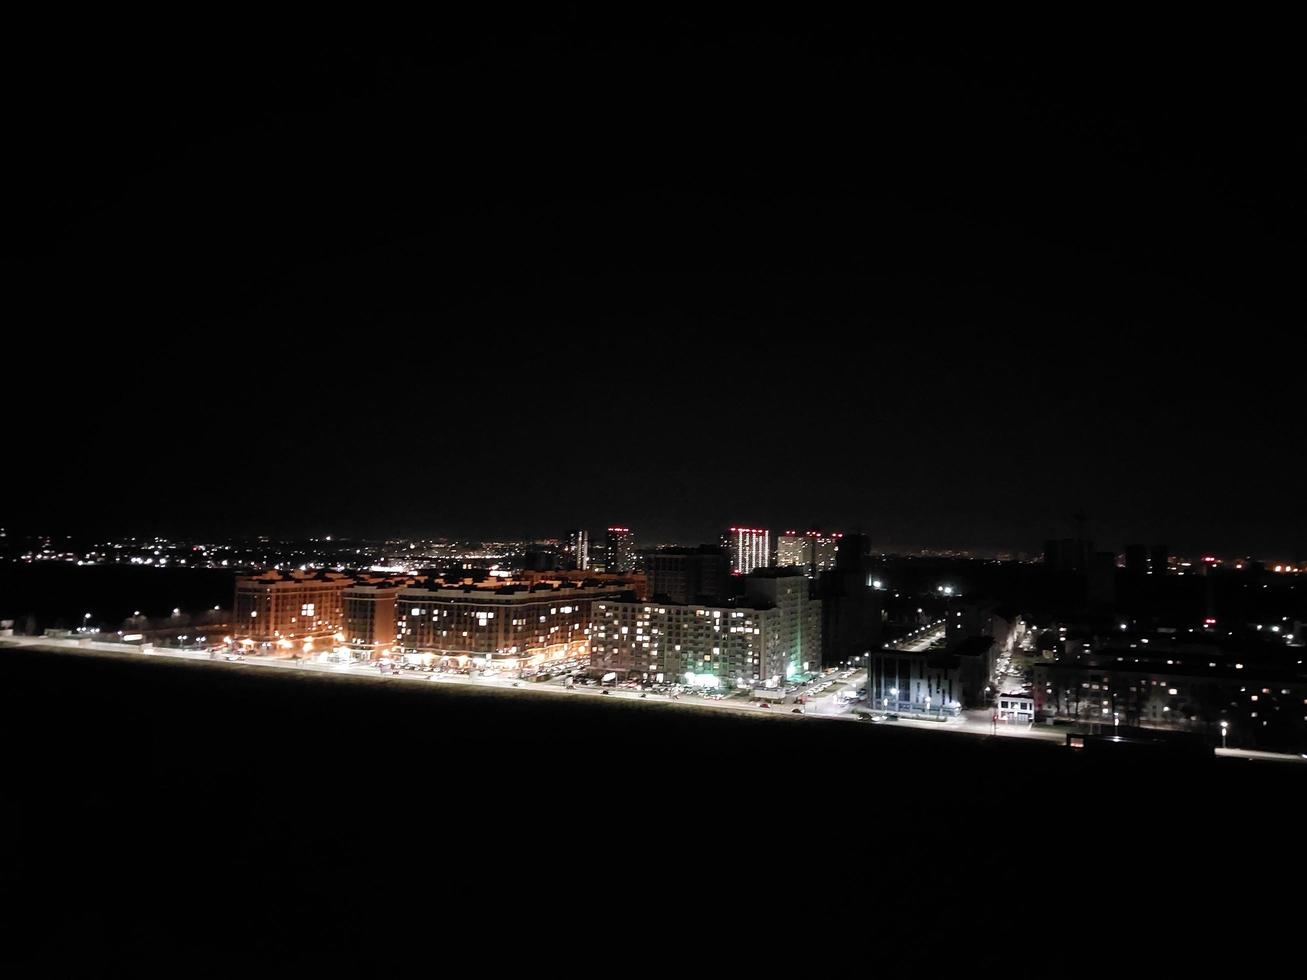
{"x":772,"y":634}
{"x":576,"y":549}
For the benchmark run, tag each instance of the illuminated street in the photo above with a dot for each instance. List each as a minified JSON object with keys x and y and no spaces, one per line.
{"x":827,"y":706}
{"x":921,"y":639}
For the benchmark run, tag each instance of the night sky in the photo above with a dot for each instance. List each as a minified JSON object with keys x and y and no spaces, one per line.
{"x":505,"y":278}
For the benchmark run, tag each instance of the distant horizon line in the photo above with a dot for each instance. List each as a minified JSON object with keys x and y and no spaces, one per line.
{"x":982,"y":551}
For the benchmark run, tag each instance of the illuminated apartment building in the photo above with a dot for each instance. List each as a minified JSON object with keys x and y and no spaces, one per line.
{"x":576,"y":550}
{"x":750,"y":548}
{"x":792,"y":549}
{"x":773,"y":633}
{"x":814,"y":551}
{"x":620,"y":550}
{"x":507,"y":625}
{"x":799,"y":626}
{"x":282,"y":611}
{"x":370,"y":625}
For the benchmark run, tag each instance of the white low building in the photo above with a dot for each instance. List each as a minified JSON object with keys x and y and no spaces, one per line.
{"x":1016,"y":707}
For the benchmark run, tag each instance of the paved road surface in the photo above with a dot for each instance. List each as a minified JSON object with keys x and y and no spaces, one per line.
{"x":921,"y":641}
{"x":822,"y":707}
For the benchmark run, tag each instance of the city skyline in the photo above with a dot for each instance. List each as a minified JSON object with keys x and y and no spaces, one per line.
{"x":12,"y":539}
{"x":604,"y":482}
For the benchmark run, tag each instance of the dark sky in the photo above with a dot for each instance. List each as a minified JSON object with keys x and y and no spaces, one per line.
{"x":509,"y":277}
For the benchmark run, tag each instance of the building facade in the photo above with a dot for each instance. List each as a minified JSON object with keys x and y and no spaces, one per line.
{"x":749,"y":548}
{"x":695,"y":644}
{"x":931,"y":680}
{"x":1262,"y":705}
{"x":792,"y":549}
{"x":852,"y":609}
{"x":764,"y":638}
{"x":966,"y":618}
{"x":813,"y":551}
{"x":369,"y":621}
{"x":852,"y":615}
{"x":288,"y":612}
{"x":788,"y":590}
{"x":576,"y":550}
{"x":510,"y":626}
{"x":685,"y":575}
{"x":620,"y":550}
{"x":1015,"y":707}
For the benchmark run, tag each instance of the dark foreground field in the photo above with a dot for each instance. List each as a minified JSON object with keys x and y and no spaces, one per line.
{"x":184,"y":816}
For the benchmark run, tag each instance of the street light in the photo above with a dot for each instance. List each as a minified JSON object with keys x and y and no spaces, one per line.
{"x":1225,"y":728}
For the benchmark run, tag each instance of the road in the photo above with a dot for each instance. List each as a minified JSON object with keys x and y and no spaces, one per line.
{"x":825,"y":707}
{"x":1009,"y":676}
{"x":921,"y":639}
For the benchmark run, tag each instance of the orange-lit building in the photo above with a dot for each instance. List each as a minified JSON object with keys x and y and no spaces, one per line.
{"x":369,"y":622}
{"x":282,"y":611}
{"x":637,"y":582}
{"x":513,"y":625}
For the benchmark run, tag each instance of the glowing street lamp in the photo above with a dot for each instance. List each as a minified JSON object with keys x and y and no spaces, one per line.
{"x":1225,"y":729}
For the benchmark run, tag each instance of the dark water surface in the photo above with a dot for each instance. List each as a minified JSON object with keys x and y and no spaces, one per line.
{"x":179,"y":816}
{"x":58,"y":594}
